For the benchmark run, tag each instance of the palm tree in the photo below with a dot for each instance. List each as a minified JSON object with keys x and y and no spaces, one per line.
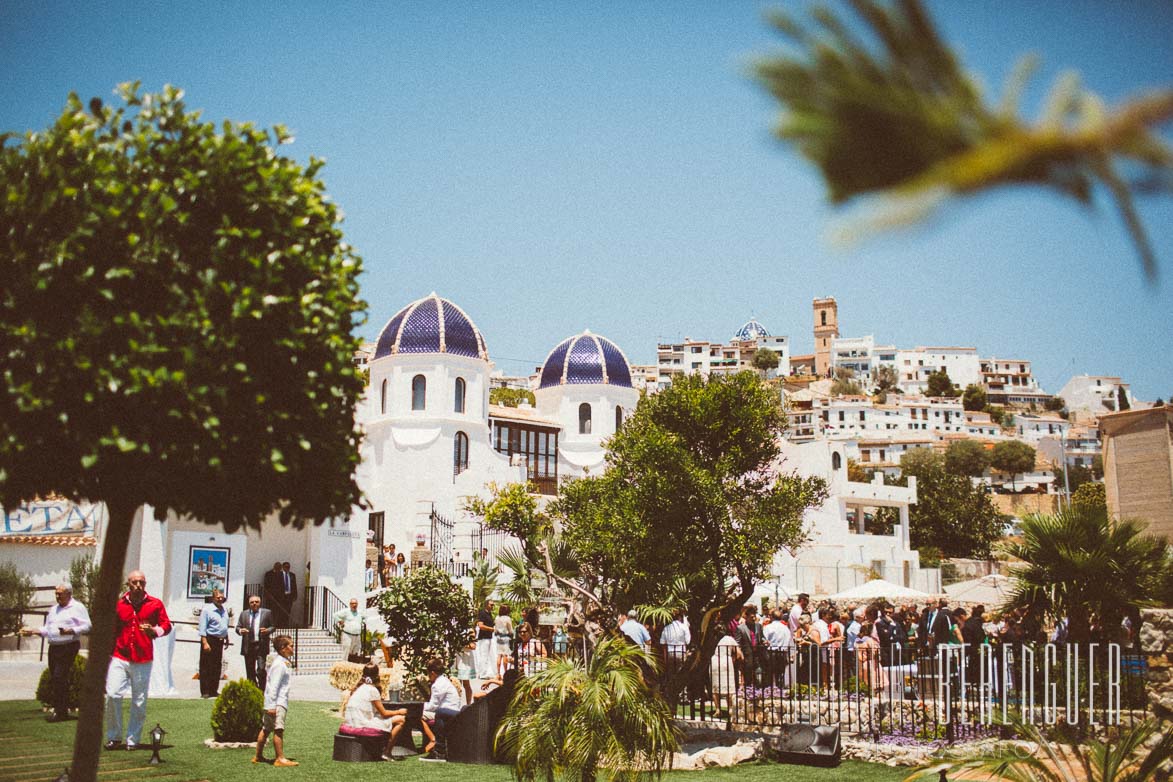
{"x":1085,"y":760}
{"x":1077,"y":563}
{"x":484,"y":580}
{"x":576,"y":716}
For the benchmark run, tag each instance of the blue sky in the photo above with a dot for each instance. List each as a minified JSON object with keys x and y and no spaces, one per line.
{"x":556,"y":166}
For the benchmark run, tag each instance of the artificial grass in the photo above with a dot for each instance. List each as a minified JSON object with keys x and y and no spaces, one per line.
{"x":32,"y":750}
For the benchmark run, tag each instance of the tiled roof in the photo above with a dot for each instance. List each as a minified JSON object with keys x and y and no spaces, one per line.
{"x":51,"y":540}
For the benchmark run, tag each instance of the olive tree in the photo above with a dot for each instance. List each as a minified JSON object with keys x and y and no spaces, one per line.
{"x":176,"y":329}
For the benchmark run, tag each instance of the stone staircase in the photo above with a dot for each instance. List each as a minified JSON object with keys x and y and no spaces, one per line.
{"x":316,"y":651}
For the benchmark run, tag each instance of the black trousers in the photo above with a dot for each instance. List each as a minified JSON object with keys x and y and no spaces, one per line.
{"x":210,"y":664}
{"x":61,"y":658}
{"x":254,"y":664}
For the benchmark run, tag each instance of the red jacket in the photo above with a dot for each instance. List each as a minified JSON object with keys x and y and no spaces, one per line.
{"x":133,"y":643}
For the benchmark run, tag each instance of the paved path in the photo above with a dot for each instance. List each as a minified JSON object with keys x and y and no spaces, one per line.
{"x":18,"y":681}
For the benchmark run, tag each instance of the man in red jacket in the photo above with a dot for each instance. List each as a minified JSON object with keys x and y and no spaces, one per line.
{"x":141,"y":619}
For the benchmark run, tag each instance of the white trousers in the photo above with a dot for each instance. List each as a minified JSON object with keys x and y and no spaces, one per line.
{"x":486,"y":661}
{"x":123,"y":676}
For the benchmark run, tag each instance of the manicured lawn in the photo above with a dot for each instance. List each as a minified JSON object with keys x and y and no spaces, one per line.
{"x":33,"y":750}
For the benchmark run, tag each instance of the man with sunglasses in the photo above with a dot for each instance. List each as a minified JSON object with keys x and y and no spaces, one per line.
{"x":140,"y":620}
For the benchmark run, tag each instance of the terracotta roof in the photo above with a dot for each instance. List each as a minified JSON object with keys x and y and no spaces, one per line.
{"x":51,"y":540}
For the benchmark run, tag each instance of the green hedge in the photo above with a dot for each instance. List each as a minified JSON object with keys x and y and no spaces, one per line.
{"x":45,"y":687}
{"x":237,"y":713}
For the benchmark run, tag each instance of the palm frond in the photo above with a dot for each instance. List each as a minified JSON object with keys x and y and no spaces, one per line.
{"x":896,"y":119}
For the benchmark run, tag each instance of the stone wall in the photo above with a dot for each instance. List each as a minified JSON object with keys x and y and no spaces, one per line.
{"x":1156,"y":640}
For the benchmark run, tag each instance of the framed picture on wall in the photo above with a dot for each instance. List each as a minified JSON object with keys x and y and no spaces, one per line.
{"x":207,"y":569}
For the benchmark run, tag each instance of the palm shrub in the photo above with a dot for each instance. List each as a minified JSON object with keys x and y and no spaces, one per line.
{"x":577,"y":717}
{"x":1078,"y":563}
{"x":237,"y":712}
{"x":1074,"y":759}
{"x":45,"y":684}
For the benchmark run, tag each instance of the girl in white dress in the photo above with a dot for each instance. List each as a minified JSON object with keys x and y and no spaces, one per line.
{"x":364,"y":710}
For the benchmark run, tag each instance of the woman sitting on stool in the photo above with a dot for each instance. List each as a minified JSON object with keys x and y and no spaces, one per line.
{"x":363,"y":713}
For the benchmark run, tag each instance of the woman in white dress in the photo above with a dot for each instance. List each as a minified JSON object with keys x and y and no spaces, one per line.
{"x":722,"y":679}
{"x":364,"y":710}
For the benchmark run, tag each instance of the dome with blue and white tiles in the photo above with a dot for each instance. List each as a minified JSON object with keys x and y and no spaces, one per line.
{"x":431,"y":325}
{"x":585,"y":359}
{"x":751,"y":330}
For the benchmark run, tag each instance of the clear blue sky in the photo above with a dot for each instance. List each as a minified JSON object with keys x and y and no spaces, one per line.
{"x":554,"y":166}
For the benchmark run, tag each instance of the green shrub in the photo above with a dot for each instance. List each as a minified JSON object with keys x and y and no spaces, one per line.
{"x":16,"y":592}
{"x":45,"y":687}
{"x":237,"y":713}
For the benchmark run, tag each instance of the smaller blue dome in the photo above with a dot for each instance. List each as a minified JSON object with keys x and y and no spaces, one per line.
{"x":751,"y":330}
{"x":584,"y":359}
{"x":431,"y":325}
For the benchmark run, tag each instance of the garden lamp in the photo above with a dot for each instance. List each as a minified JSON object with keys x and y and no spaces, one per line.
{"x":157,"y":734}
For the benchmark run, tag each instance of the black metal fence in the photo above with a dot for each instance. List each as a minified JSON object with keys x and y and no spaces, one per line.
{"x":950,"y":693}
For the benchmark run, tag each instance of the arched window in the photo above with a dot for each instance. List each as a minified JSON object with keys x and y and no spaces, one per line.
{"x":460,"y":453}
{"x":383,"y":398}
{"x":460,"y":389}
{"x":584,"y":418}
{"x":618,"y":417}
{"x":836,"y":461}
{"x":419,"y":392}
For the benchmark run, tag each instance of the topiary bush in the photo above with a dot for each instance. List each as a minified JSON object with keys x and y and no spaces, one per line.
{"x":45,"y":685}
{"x":237,"y":712}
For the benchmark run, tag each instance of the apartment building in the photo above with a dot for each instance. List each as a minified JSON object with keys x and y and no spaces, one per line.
{"x":860,"y":354}
{"x":702,"y":357}
{"x":1008,"y":381}
{"x":851,"y":415}
{"x":1095,"y":395}
{"x":1033,"y":427}
{"x":913,"y":367}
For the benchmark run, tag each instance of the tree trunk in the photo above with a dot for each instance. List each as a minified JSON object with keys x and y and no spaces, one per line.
{"x":87,"y":743}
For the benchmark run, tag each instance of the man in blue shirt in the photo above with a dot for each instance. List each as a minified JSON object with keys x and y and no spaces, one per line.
{"x":213,"y":638}
{"x":634,"y":630}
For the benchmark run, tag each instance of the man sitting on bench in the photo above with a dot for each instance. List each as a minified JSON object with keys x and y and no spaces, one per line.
{"x":443,"y":705}
{"x":364,"y":712}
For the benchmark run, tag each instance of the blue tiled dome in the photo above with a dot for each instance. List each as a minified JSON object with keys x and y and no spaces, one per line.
{"x":431,"y":325}
{"x":751,"y":330}
{"x":583,"y":359}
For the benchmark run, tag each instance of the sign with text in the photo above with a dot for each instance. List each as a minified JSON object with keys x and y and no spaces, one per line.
{"x":54,"y":517}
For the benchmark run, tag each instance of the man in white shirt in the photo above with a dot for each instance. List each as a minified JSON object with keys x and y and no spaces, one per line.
{"x":796,"y":612}
{"x":65,"y":623}
{"x":777,"y":636}
{"x":349,"y":623}
{"x":675,"y":639}
{"x":444,"y":704}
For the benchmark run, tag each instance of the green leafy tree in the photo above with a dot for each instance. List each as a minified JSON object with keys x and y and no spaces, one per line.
{"x":903,"y":121}
{"x":1055,"y":404}
{"x":1077,"y":563}
{"x":16,"y":593}
{"x":885,"y":378}
{"x":950,"y":514}
{"x":1090,"y":496}
{"x":1077,"y":475}
{"x":690,"y":490}
{"x":83,"y":577}
{"x":1098,"y":467}
{"x":194,"y":286}
{"x":939,"y":384}
{"x":1014,"y":457}
{"x":856,"y":472}
{"x":974,"y":398}
{"x":512,"y":508}
{"x":845,"y":383}
{"x":997,"y":414}
{"x":510,"y":397}
{"x":578,"y":718}
{"x":764,"y":360}
{"x":966,"y":457}
{"x":427,"y":615}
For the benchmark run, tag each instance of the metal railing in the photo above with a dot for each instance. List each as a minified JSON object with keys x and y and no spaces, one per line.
{"x":952,"y":693}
